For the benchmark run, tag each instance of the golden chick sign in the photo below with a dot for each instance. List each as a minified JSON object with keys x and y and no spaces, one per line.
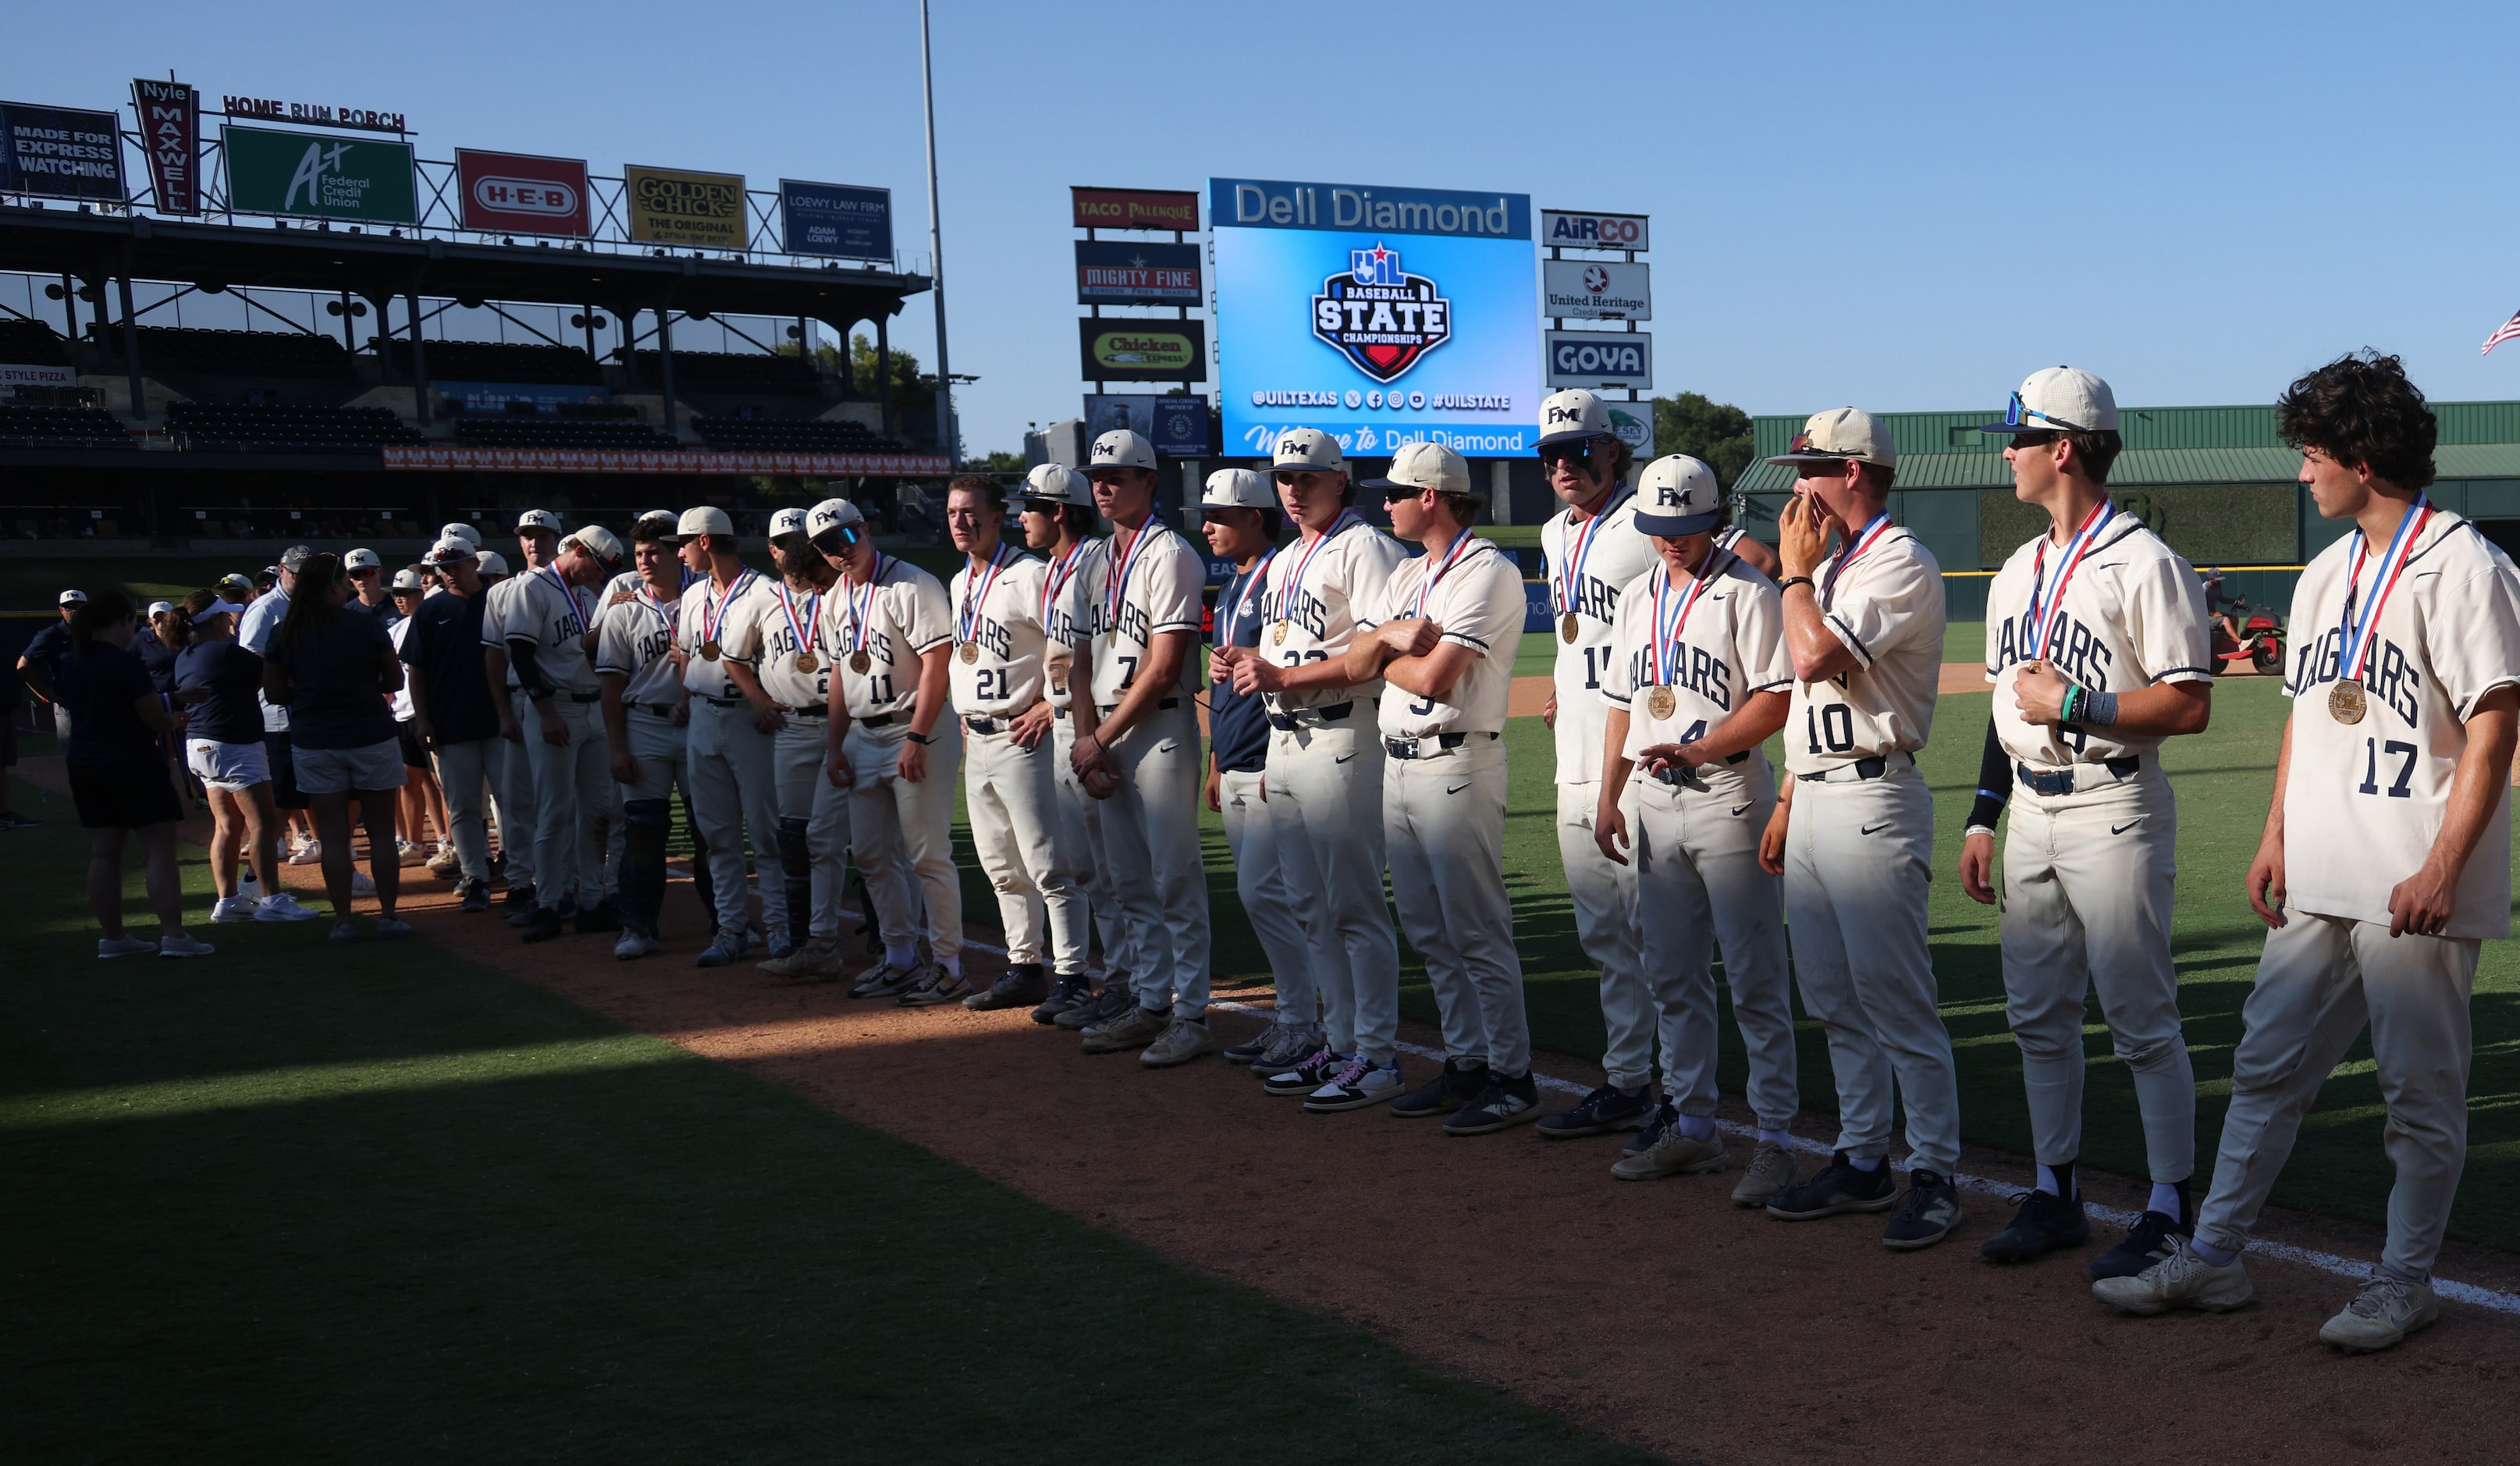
{"x":697,"y":210}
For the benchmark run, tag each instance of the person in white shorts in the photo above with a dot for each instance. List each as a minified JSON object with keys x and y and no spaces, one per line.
{"x":1138,"y":750}
{"x":1326,"y":757}
{"x":1853,"y":834}
{"x":1696,"y":679}
{"x":548,"y":629}
{"x":1442,"y":634}
{"x":1593,"y":552}
{"x":2097,"y":650}
{"x":1241,"y":519}
{"x":1058,"y":520}
{"x":735,"y":786}
{"x":1009,"y":774}
{"x":2386,"y":859}
{"x":782,"y":640}
{"x":893,"y":743}
{"x":647,"y":711}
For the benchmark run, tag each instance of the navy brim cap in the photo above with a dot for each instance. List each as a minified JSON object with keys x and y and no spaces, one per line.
{"x":1568,"y":435}
{"x":1811,"y":455}
{"x":1674,"y":526}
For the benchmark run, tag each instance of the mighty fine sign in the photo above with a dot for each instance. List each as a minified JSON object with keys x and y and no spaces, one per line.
{"x":314,"y":112}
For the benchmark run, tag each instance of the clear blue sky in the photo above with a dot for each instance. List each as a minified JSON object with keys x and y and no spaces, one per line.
{"x":1898,"y":206}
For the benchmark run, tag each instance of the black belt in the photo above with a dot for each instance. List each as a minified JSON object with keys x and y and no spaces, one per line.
{"x":1416,"y":748}
{"x":586,"y":697}
{"x":816,"y":710}
{"x":1165,"y":705}
{"x":2061,"y":781}
{"x":989,"y":726}
{"x":1865,"y":769}
{"x":722,"y":702}
{"x":880,"y":721}
{"x":1286,"y":720}
{"x":1672,"y":775}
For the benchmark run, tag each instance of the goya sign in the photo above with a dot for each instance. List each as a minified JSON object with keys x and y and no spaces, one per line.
{"x":1113,"y":350}
{"x":307,"y":175}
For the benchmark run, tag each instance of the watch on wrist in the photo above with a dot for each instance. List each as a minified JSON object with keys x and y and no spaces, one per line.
{"x":1790,"y":582}
{"x":922,"y":738}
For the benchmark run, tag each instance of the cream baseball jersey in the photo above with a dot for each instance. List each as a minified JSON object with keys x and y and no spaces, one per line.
{"x":1000,"y":642}
{"x":2113,"y":609}
{"x":878,"y":631}
{"x":1707,"y":642}
{"x":708,"y":615}
{"x":1474,"y":592}
{"x":782,"y":631}
{"x":631,"y":640}
{"x":1152,"y":583}
{"x":1070,"y":584}
{"x":1882,"y":597}
{"x":1316,"y":589}
{"x":2363,"y":799}
{"x":498,"y":607}
{"x":629,"y":584}
{"x":1590,"y":564}
{"x":556,"y":615}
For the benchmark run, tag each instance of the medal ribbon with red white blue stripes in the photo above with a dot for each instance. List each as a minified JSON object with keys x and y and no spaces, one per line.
{"x":1230,"y":615}
{"x":972,"y":601}
{"x":862,"y":604}
{"x":1668,"y":625}
{"x":1453,"y":553}
{"x":1116,"y":592}
{"x":713,"y":609}
{"x":1304,"y":559}
{"x":813,"y":607}
{"x":2043,"y":615}
{"x":1061,"y":571}
{"x":1873,"y":531}
{"x":1570,"y":586}
{"x":2356,"y":637}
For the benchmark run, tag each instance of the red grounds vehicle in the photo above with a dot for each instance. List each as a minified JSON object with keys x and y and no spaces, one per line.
{"x":2242,"y":633}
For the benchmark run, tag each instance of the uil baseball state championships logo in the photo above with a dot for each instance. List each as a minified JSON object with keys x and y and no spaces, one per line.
{"x":1380,"y":316}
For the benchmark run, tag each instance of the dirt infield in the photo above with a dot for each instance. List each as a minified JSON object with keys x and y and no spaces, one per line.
{"x":1656,"y":1313}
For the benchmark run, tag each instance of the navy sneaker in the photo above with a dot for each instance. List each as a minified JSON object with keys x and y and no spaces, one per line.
{"x":476,"y":896}
{"x":1931,"y":1208}
{"x":542,"y":925}
{"x":2149,"y":1241}
{"x":1442,"y":1094}
{"x":1503,"y":1102}
{"x":2043,"y":1225}
{"x":1607,"y":1109}
{"x":1071,"y":990}
{"x":1839,"y":1186}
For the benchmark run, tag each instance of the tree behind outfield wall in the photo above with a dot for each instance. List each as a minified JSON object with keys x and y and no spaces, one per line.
{"x":1702,"y":428}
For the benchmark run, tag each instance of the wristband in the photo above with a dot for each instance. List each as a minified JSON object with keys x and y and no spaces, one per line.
{"x":2099,"y":708}
{"x":2066,"y":710}
{"x":1790,"y":582}
{"x":922,"y":738}
{"x":1986,"y":830}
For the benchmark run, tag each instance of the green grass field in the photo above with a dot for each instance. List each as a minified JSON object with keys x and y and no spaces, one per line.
{"x":277,"y":1207}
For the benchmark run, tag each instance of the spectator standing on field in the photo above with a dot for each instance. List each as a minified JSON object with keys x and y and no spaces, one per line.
{"x":119,"y":777}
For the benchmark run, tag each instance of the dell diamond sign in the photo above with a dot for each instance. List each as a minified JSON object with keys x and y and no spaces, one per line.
{"x":1601,"y":358}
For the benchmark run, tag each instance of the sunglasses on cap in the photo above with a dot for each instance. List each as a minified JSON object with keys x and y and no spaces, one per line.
{"x":1401,"y":492}
{"x":2019,"y":413}
{"x":1577,"y":452}
{"x":840,"y":538}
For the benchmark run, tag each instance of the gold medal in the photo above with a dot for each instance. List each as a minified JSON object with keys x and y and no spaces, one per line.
{"x":1566,"y":628}
{"x":859,"y":662}
{"x":1660,"y":704}
{"x":1278,"y":636}
{"x":808,"y":662}
{"x":708,"y":650}
{"x":2346,"y":702}
{"x":970,"y":652}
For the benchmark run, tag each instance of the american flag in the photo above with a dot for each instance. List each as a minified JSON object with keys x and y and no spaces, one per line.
{"x":2502,"y":333}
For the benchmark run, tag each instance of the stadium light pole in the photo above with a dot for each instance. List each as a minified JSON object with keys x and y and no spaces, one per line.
{"x":936,"y":252}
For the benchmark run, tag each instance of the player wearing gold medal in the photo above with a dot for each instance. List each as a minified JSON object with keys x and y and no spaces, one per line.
{"x":782,"y":638}
{"x":2386,"y":860}
{"x":735,"y":787}
{"x":646,"y":715}
{"x":1697,"y":678}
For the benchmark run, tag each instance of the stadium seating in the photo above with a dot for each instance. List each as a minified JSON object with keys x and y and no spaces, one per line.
{"x":542,"y":431}
{"x":792,"y":436}
{"x":498,"y":361}
{"x":229,"y":353}
{"x":31,"y":344}
{"x":731,"y":372}
{"x":60,"y":427}
{"x":223,"y":428}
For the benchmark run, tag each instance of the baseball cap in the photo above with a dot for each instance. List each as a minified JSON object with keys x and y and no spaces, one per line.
{"x":597,"y":542}
{"x":538,"y":519}
{"x":1426,"y":465}
{"x":1574,"y":415}
{"x":1057,"y":483}
{"x":787,"y":522}
{"x":1121,"y":448}
{"x":2059,"y":398}
{"x":156,"y":606}
{"x":73,"y":598}
{"x":1307,"y":450}
{"x":1841,"y":433}
{"x":216,"y":608}
{"x":295,"y":558}
{"x":708,"y":519}
{"x":834,"y":524}
{"x":1677,"y":495}
{"x":452,"y":547}
{"x":235,"y":582}
{"x":665,"y":516}
{"x":492,"y":562}
{"x":362,"y":560}
{"x":408,"y":578}
{"x":1237,"y":488}
{"x":461,"y":530}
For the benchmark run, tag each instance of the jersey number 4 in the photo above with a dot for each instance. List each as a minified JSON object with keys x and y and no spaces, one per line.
{"x":2372,"y":749}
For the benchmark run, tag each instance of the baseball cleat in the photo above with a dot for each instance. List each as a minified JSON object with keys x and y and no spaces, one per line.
{"x":2145,"y":1243}
{"x":1070,"y":989}
{"x":887,"y":980}
{"x":1928,"y":1214}
{"x":1021,"y":987}
{"x":1136,"y":1029}
{"x":1839,"y":1186}
{"x":1505,"y":1102}
{"x":804,"y":964}
{"x":1184,"y":1041}
{"x":2381,"y":1316}
{"x":1607,"y":1109}
{"x":2044,"y":1225}
{"x":1307,"y":1074}
{"x":2181,"y":1280}
{"x":1664,"y":1149}
{"x":1359,"y":1083}
{"x":544,"y":925}
{"x":1458,"y":1085}
{"x":633,"y":947}
{"x":1770,"y":1171}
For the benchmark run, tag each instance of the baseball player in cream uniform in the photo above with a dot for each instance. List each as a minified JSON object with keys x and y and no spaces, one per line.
{"x":735,"y":784}
{"x":1058,"y":520}
{"x":782,"y":638}
{"x":1140,"y":753}
{"x":893,"y":743}
{"x":548,"y":626}
{"x":513,"y":780}
{"x":1009,"y":774}
{"x":1325,"y":753}
{"x":659,"y":523}
{"x":1594,"y":552}
{"x":1698,"y":679}
{"x":2097,"y":650}
{"x":646,"y":715}
{"x":1442,"y":632}
{"x":2386,"y":859}
{"x":1853,"y":834}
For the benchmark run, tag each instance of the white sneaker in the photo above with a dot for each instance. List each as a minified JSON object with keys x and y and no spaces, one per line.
{"x":234,"y":908}
{"x":247,"y":885}
{"x":2181,"y":1280}
{"x":633,"y":947}
{"x":390,"y":927}
{"x":344,"y":932}
{"x":306,"y":853}
{"x":282,"y":906}
{"x":183,"y":945}
{"x":361,"y":883}
{"x":2381,"y":1315}
{"x":405,"y":850}
{"x":122,"y":946}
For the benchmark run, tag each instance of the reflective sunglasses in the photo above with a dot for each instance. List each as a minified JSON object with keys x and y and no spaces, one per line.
{"x":1575,"y":453}
{"x":2019,"y":413}
{"x":840,"y":538}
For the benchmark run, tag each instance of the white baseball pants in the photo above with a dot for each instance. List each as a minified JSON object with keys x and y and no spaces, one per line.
{"x":734,"y":794}
{"x":1080,"y":839}
{"x":1325,"y":791}
{"x":899,"y":826}
{"x":1858,"y":862}
{"x":519,"y":819}
{"x":1294,"y":942}
{"x":463,"y":771}
{"x":800,"y":755}
{"x":661,"y":752}
{"x":1010,"y":795}
{"x":1443,"y":825}
{"x":1603,"y":893}
{"x":1151,"y":835}
{"x":572,"y":792}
